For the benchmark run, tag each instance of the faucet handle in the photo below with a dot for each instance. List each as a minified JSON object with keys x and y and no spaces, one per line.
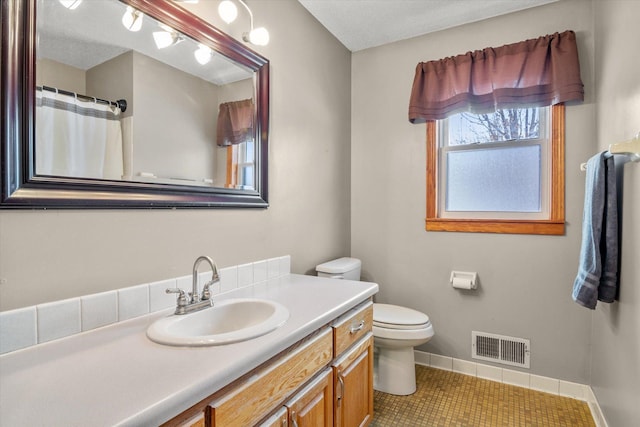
{"x":206,"y":290}
{"x":182,"y":297}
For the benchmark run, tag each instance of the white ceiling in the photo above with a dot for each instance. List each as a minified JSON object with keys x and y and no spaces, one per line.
{"x":361,"y":24}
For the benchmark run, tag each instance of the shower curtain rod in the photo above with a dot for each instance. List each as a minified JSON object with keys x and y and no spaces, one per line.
{"x":120,"y":103}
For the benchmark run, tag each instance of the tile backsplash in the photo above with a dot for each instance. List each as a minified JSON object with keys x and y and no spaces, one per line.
{"x":37,"y":324}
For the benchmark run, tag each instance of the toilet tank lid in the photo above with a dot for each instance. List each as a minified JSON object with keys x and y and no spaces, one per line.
{"x":340,"y":265}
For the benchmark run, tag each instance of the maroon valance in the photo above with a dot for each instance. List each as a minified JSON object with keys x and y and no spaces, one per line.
{"x":235,"y":122}
{"x":536,"y":72}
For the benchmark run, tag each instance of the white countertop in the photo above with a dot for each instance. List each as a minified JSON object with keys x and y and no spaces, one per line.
{"x":116,"y":376}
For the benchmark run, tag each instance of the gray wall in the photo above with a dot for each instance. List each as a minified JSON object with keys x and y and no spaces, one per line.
{"x":525,"y":281}
{"x":176,"y":115}
{"x":615,"y":370}
{"x":55,"y":254}
{"x":60,"y":76}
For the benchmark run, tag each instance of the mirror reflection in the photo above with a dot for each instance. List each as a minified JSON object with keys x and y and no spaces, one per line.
{"x":121,"y":96}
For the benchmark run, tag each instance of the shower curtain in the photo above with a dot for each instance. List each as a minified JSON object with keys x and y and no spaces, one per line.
{"x":77,"y":138}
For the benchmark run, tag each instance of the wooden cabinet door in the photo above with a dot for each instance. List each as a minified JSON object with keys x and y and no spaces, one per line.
{"x":279,"y":419}
{"x":353,"y":374}
{"x":313,"y":405}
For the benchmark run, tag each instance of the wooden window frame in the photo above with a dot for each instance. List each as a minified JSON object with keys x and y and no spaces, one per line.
{"x":555,"y":225}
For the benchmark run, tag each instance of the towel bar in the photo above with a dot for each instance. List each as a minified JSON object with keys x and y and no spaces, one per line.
{"x":630,"y":148}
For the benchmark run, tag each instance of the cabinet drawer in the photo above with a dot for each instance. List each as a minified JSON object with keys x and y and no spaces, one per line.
{"x":252,"y":399}
{"x":352,"y":326}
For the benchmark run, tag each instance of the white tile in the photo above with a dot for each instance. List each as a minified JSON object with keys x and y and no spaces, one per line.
{"x":441,"y":362}
{"x":185,"y":283}
{"x":465,"y":367}
{"x":273,"y":268}
{"x":574,"y":390}
{"x":520,"y":379}
{"x":245,"y":275}
{"x":285,"y":265}
{"x":18,"y":329}
{"x":422,"y":357}
{"x":158,"y":298}
{"x":228,"y":278}
{"x":489,"y":372}
{"x":204,"y":277}
{"x":133,"y":302}
{"x":99,"y":310}
{"x":546,"y":384}
{"x":259,"y":271}
{"x":58,"y":319}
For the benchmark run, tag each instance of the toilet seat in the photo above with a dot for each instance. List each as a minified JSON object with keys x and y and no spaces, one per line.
{"x":391,"y":316}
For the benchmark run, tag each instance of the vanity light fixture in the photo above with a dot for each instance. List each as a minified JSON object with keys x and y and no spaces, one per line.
{"x":70,"y":4}
{"x":167,"y":37}
{"x":228,"y":12}
{"x":132,"y":19}
{"x":203,"y":54}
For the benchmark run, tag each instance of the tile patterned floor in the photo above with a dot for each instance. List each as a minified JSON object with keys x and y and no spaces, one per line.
{"x":446,"y":399}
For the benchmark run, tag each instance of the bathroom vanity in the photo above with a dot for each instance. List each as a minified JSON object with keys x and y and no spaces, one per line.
{"x":317,"y":367}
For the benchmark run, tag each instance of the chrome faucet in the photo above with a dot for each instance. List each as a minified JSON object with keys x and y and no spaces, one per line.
{"x":195,"y":302}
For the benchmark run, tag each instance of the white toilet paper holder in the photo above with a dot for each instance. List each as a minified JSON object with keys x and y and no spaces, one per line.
{"x":464,"y":279}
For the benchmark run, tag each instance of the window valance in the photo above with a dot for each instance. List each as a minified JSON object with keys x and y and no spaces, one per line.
{"x":536,"y":72}
{"x":235,"y":122}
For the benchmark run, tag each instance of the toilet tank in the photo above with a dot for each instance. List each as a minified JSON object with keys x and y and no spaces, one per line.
{"x":341,"y":268}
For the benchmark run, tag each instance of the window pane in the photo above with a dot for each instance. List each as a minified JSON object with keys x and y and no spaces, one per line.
{"x":246,"y":176}
{"x":498,"y":179}
{"x":501,"y":125}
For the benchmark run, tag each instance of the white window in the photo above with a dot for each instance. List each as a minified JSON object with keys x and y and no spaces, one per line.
{"x":494,"y":165}
{"x":501,"y":172}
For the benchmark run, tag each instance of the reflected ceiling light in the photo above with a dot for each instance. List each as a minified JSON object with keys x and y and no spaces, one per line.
{"x":132,"y":19}
{"x":228,"y":12}
{"x":70,"y":4}
{"x":167,"y":37}
{"x":203,"y":54}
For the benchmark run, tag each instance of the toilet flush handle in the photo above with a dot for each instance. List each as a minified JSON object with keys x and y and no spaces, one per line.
{"x":358,"y":328}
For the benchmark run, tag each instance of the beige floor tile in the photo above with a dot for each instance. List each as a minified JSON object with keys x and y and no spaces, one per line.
{"x":445,"y":398}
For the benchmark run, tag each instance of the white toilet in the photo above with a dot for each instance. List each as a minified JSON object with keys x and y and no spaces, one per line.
{"x":396,"y":330}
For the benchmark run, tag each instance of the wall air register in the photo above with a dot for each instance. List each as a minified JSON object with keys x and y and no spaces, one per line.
{"x":500,"y":349}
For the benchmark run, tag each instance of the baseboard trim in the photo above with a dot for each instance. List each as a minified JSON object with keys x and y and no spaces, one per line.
{"x":521,"y":379}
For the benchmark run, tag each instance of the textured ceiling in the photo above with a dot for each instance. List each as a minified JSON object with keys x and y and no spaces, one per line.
{"x":93,"y":34}
{"x":361,"y":24}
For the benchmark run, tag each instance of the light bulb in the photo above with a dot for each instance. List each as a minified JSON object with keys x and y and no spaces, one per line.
{"x":163,"y":39}
{"x":227,"y":11}
{"x":203,"y":54}
{"x":259,"y":36}
{"x":132,"y":19}
{"x":70,"y":4}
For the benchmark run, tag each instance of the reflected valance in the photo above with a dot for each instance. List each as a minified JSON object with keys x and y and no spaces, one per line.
{"x":235,"y":122}
{"x":536,"y":72}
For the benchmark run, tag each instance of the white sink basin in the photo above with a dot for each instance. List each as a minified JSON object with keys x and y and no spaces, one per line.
{"x":228,"y":321}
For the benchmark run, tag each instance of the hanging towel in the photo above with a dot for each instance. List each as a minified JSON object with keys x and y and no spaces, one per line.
{"x":597,"y":277}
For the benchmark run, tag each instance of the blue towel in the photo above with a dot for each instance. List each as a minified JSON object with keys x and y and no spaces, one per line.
{"x":597,"y":277}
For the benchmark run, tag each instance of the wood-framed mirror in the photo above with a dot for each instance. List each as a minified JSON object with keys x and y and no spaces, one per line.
{"x":209,"y":159}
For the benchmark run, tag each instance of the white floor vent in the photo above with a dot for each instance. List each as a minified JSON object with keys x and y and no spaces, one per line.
{"x":500,"y":349}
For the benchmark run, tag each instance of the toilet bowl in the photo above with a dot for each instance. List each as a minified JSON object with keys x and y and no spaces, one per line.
{"x":396,"y":331}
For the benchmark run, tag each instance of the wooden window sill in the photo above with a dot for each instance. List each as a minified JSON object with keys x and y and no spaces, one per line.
{"x":507,"y":226}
